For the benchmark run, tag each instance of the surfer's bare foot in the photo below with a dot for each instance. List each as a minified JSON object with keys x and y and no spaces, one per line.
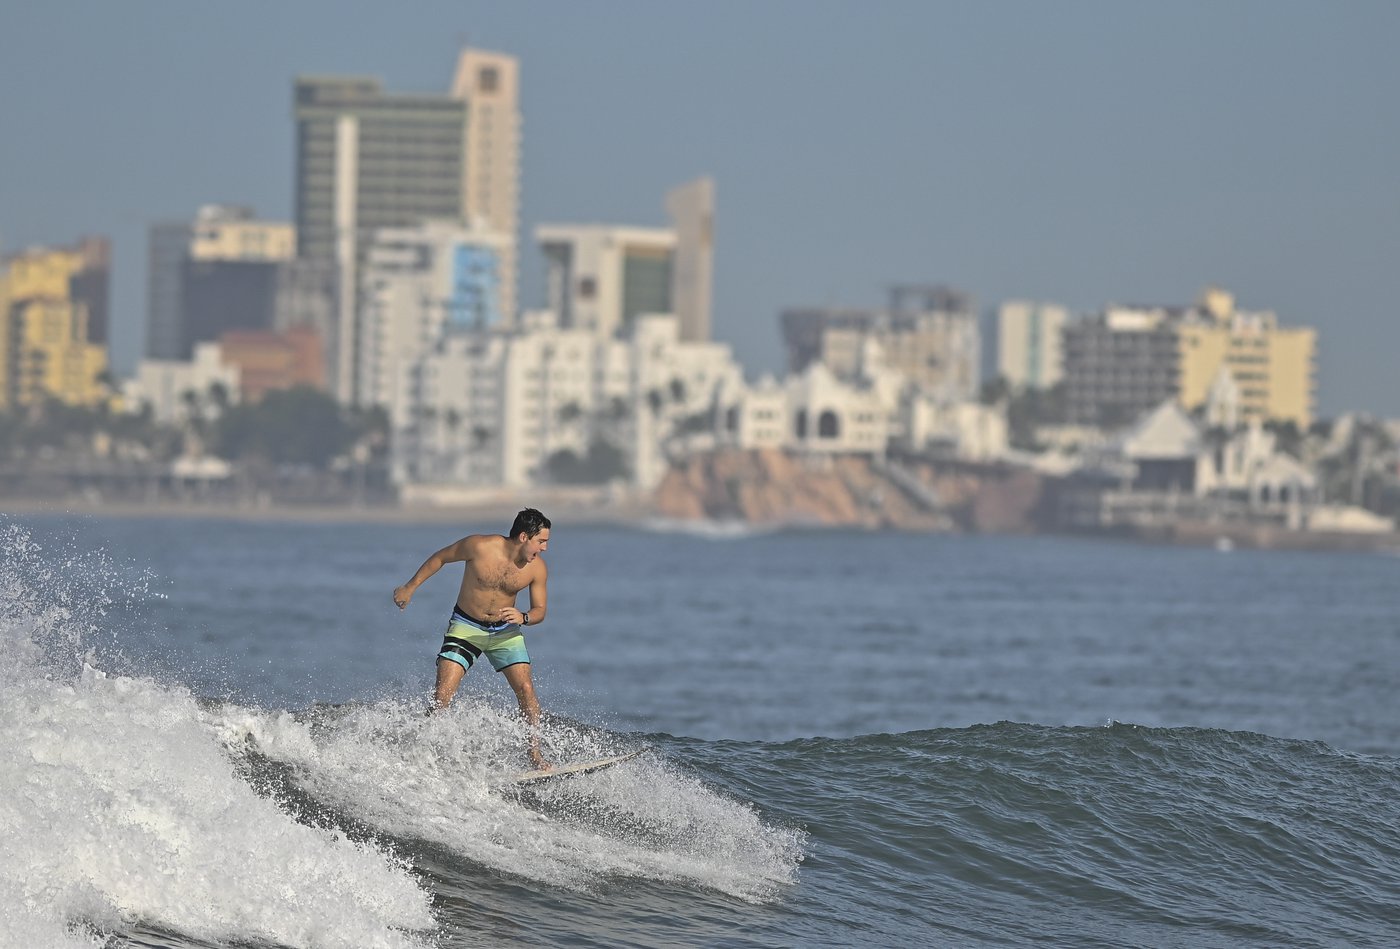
{"x":538,"y":763}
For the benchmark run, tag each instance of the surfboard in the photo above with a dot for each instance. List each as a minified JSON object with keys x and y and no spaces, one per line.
{"x":569,"y":770}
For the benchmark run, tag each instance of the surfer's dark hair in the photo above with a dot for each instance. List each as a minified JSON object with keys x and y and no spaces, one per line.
{"x":528,"y":522}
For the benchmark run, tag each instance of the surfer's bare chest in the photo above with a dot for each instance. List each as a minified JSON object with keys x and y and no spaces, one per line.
{"x":496,"y":575}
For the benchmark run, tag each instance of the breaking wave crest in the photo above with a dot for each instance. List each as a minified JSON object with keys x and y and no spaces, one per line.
{"x":128,"y":802}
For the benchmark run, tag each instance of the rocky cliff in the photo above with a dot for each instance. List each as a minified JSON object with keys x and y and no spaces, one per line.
{"x":771,"y":487}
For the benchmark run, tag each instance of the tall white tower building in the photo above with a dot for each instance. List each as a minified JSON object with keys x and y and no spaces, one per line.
{"x":420,"y":285}
{"x":1030,"y":343}
{"x":489,"y":83}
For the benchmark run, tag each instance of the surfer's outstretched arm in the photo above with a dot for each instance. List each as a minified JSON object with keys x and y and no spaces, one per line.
{"x":453,"y":553}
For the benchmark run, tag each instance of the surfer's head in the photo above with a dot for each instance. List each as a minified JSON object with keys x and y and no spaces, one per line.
{"x":531,"y":531}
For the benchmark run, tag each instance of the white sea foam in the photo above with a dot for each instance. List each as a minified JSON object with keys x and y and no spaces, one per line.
{"x":439,"y":779}
{"x":119,"y":804}
{"x":125,"y":802}
{"x":705,"y":528}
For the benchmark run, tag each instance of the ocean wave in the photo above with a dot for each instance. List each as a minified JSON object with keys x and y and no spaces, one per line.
{"x":1232,"y":836}
{"x":439,"y":782}
{"x":120,"y":806}
{"x":131,"y":806}
{"x":128,"y":804}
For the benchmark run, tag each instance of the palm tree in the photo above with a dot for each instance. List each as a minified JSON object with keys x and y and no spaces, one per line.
{"x":108,"y":381}
{"x":194,"y":408}
{"x":453,"y":418}
{"x":219,"y":396}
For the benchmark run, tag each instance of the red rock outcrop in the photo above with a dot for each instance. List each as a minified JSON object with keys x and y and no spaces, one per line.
{"x":771,"y":487}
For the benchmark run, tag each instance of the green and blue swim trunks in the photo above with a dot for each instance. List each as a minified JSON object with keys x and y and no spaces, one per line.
{"x":468,"y":638}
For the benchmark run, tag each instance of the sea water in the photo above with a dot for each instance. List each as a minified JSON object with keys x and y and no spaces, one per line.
{"x":211,"y":734}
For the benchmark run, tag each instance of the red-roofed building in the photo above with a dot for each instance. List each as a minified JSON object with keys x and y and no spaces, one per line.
{"x":268,"y":360}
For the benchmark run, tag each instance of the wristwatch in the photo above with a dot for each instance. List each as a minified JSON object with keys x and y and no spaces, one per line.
{"x":525,"y":618}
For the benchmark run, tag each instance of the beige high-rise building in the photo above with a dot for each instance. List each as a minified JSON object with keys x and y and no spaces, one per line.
{"x":489,"y":83}
{"x":692,"y":210}
{"x":369,"y":159}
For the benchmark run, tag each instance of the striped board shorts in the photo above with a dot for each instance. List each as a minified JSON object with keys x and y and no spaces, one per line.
{"x":468,"y":638}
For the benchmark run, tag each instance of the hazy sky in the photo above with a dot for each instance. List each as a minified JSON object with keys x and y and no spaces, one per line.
{"x":1074,"y":152}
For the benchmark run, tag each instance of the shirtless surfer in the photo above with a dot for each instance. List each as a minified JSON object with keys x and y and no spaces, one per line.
{"x":485,"y":620}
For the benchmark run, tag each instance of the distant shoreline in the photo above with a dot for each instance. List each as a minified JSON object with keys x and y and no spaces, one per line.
{"x":313,"y":513}
{"x":1184,"y":534}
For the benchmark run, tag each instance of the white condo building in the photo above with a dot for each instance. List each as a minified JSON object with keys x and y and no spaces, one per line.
{"x":1030,"y":344}
{"x":817,"y":412}
{"x":602,"y":277}
{"x":497,"y":409}
{"x":614,"y":376}
{"x":757,"y":416}
{"x":834,"y":417}
{"x":675,"y":391}
{"x":177,"y":390}
{"x":421,"y":285}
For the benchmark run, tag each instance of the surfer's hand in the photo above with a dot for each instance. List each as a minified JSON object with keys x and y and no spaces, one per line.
{"x":402,"y":595}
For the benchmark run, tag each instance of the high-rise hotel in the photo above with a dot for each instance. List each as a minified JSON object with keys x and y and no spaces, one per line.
{"x":368,"y":159}
{"x":1127,"y":360}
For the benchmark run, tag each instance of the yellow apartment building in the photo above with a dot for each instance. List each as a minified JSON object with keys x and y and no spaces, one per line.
{"x":44,"y":332}
{"x":1273,"y":366}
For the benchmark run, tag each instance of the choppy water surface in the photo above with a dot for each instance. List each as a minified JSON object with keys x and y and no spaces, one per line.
{"x":211,"y":734}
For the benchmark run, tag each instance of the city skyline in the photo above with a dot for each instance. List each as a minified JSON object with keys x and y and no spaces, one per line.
{"x":1012,"y":151}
